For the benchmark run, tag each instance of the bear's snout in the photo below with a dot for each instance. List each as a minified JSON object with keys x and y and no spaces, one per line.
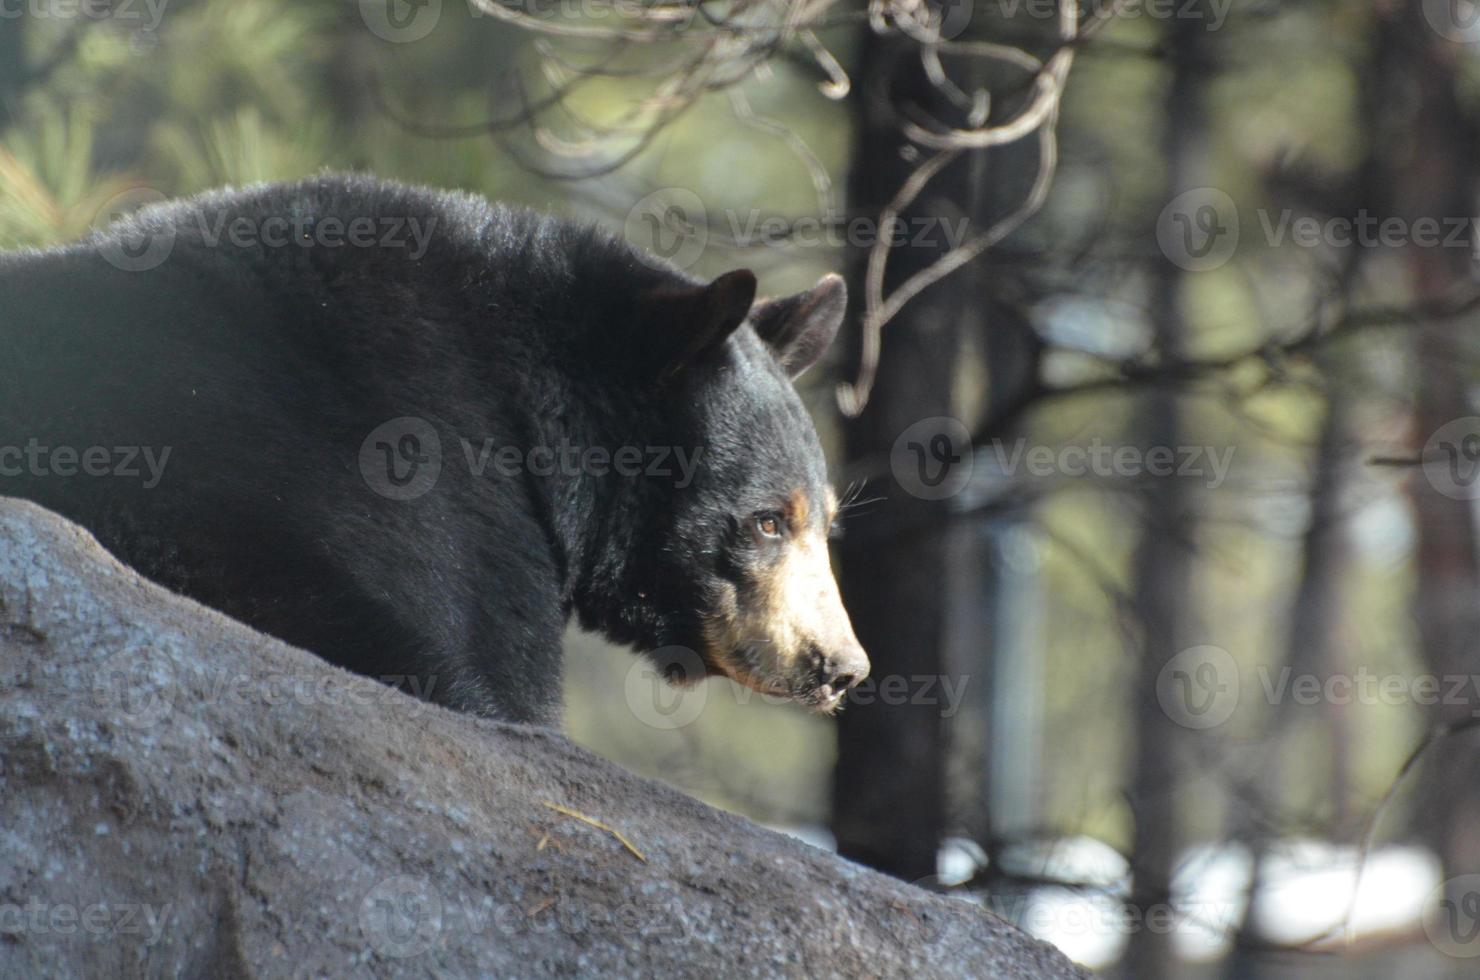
{"x":838,"y":660}
{"x":843,"y":671}
{"x":840,"y":673}
{"x":787,"y":632}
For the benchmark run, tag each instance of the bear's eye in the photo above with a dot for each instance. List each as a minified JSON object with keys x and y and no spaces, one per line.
{"x":769,"y":525}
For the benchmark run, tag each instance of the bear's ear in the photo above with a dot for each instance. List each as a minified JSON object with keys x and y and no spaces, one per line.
{"x":691,"y":321}
{"x":800,"y":328}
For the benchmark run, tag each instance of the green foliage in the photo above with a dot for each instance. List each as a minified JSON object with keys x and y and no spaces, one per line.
{"x":242,"y":148}
{"x":48,"y":190}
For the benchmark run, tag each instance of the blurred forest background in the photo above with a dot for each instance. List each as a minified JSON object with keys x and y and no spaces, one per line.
{"x":1205,"y":717}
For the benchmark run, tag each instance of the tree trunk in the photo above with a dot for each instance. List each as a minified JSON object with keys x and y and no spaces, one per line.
{"x":1163,"y":562}
{"x":1312,"y":646}
{"x":1436,"y":180}
{"x":897,"y":573}
{"x":925,"y":583}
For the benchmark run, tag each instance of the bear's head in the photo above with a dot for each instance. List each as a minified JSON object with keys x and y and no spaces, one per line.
{"x":735,"y":564}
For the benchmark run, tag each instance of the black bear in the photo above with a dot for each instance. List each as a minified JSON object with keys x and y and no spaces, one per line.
{"x":413,"y":431}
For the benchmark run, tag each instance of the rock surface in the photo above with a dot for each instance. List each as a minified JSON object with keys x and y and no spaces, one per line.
{"x":181,"y":796}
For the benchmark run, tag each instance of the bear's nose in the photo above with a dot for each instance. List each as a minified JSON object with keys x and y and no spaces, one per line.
{"x":843,"y":671}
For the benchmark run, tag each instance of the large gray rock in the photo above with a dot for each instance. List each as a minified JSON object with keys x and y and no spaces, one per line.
{"x":181,"y":796}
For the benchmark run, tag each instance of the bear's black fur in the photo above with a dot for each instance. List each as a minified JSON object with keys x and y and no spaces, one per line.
{"x":280,"y":396}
